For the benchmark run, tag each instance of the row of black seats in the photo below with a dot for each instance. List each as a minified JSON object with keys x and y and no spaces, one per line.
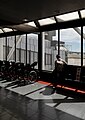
{"x":75,"y":73}
{"x":12,"y":71}
{"x":74,"y":77}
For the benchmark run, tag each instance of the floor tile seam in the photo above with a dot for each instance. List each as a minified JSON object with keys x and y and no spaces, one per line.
{"x":11,"y":114}
{"x":42,"y":115}
{"x":49,"y":117}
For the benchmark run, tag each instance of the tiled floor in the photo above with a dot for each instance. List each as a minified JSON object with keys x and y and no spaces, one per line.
{"x":38,"y":102}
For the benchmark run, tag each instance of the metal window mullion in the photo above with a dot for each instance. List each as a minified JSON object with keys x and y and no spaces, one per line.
{"x":26,"y":49}
{"x":15,"y":48}
{"x":58,"y":41}
{"x":81,"y":45}
{"x":6,"y":48}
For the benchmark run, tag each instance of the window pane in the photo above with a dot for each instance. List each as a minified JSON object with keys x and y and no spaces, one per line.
{"x":49,"y":49}
{"x":68,"y":16}
{"x":10,"y":46}
{"x":32,"y":48}
{"x":72,"y":45}
{"x":82,"y":13}
{"x":47,"y":21}
{"x":30,"y":24}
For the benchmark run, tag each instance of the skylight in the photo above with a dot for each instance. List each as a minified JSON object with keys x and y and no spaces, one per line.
{"x":1,"y":31}
{"x":31,"y":24}
{"x":68,"y":16}
{"x":7,"y":30}
{"x":46,"y":21}
{"x":82,"y":13}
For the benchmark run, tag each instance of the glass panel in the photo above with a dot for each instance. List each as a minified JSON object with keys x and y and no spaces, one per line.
{"x":82,"y":13}
{"x":32,"y":48}
{"x":9,"y":50}
{"x":68,"y":17}
{"x":71,"y":40}
{"x":17,"y":55}
{"x":10,"y":46}
{"x":20,"y":46}
{"x":50,"y":40}
{"x":4,"y":53}
{"x":2,"y":49}
{"x":70,"y":47}
{"x":28,"y":56}
{"x":47,"y":21}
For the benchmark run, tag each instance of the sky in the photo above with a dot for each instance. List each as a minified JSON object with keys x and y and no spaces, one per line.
{"x":71,"y":38}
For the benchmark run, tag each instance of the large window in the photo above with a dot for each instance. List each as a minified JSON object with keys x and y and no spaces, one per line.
{"x":32,"y":48}
{"x":50,"y":41}
{"x":71,"y":39}
{"x":10,"y":48}
{"x":70,"y":47}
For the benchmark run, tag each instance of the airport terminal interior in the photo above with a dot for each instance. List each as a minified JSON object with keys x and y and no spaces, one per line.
{"x":32,"y":33}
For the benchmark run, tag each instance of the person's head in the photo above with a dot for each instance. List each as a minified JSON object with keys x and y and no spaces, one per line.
{"x":57,"y":56}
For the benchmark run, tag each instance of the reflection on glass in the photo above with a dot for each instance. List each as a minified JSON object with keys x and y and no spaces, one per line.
{"x":47,"y":21}
{"x":68,"y":17}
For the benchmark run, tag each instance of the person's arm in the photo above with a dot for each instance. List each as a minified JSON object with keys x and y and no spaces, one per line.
{"x":64,"y":61}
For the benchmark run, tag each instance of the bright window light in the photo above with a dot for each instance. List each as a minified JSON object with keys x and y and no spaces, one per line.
{"x":7,"y":29}
{"x":68,"y":16}
{"x":1,"y":31}
{"x":82,"y":13}
{"x":47,"y":21}
{"x":31,"y":24}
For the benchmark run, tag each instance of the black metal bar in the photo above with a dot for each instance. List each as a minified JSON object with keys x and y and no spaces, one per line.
{"x":15,"y":48}
{"x":20,"y":52}
{"x":58,"y":42}
{"x":29,"y":56}
{"x":40,"y":51}
{"x":26,"y":50}
{"x":6,"y":47}
{"x":81,"y":45}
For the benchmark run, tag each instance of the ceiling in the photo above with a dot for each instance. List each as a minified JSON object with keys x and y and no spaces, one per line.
{"x":13,"y":13}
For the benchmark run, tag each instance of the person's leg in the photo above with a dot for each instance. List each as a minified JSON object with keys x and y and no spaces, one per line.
{"x":54,"y":78}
